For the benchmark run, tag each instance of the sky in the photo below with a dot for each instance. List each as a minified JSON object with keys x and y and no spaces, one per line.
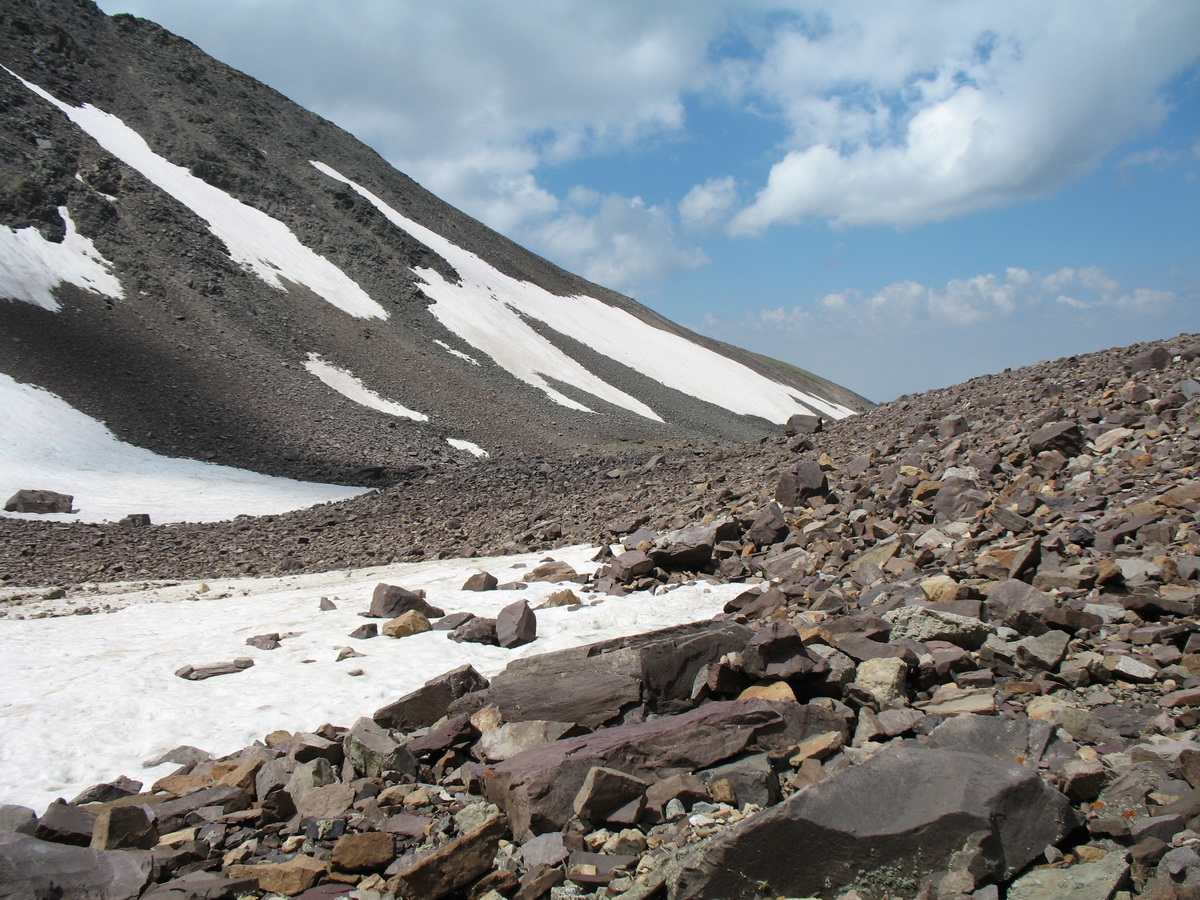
{"x":894,"y":196}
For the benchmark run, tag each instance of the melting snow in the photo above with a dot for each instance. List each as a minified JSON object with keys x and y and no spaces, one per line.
{"x":472,"y":360}
{"x":55,"y":670}
{"x":31,"y":266}
{"x":474,"y":449}
{"x":348,"y":386}
{"x":261,"y":244}
{"x":488,"y":309}
{"x":48,"y":445}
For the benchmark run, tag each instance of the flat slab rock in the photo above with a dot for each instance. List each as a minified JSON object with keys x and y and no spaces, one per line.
{"x":35,"y":869}
{"x":885,"y":824}
{"x":537,"y":788}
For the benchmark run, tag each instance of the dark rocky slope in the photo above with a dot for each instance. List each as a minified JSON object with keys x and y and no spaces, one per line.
{"x":203,"y":359}
{"x":966,"y":665}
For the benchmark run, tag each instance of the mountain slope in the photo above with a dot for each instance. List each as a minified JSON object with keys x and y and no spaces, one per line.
{"x":217,"y":273}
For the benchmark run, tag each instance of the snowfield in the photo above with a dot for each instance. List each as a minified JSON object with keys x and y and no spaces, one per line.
{"x":31,"y":267}
{"x":47,"y":444}
{"x":89,"y":698}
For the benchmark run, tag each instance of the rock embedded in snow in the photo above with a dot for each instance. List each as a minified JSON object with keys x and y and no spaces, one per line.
{"x":211,"y":670}
{"x":407,"y":624}
{"x":389,"y":601}
{"x":481,"y":581}
{"x":516,"y":625}
{"x":41,"y":502}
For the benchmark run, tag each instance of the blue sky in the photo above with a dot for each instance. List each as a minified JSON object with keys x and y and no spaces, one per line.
{"x":896,"y":196}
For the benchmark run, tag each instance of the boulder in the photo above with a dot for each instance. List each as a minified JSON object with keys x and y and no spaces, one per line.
{"x":212,"y":670}
{"x":36,"y":869}
{"x":885,"y":825}
{"x":802,"y":480}
{"x":481,"y":581}
{"x":687,"y":549}
{"x":537,"y":788}
{"x":431,"y":701}
{"x":42,"y":502}
{"x":594,"y":684}
{"x":630,"y":565}
{"x":1065,"y":437}
{"x":476,"y":630}
{"x":799,"y":423}
{"x":407,"y":624}
{"x":372,"y":752}
{"x":389,"y":601}
{"x":453,"y":865}
{"x":516,"y":625}
{"x":922,"y":624}
{"x":363,"y":852}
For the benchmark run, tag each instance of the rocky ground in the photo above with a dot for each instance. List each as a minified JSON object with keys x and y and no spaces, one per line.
{"x":966,"y":664}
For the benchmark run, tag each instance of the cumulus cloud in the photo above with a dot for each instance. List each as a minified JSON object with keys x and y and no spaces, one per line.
{"x":708,"y":205}
{"x":907,"y":113}
{"x":905,"y":305}
{"x":619,"y":242}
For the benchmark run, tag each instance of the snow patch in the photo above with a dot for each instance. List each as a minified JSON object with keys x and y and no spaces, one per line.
{"x":481,"y":310}
{"x":31,"y":267}
{"x":46,"y":444}
{"x":473,"y":449}
{"x":348,"y":386}
{"x":55,"y":670}
{"x":472,"y":360}
{"x":488,"y":310}
{"x":262,"y":245}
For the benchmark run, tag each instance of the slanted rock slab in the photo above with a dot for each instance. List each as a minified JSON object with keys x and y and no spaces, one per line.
{"x":884,"y":825}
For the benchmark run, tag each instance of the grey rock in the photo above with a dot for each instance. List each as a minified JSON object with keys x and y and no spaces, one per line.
{"x":922,"y":623}
{"x":372,"y":752}
{"x":41,"y":502}
{"x":428,"y":703}
{"x":516,"y":625}
{"x":1083,"y":881}
{"x":389,"y":601}
{"x":31,"y":869}
{"x":886,"y":822}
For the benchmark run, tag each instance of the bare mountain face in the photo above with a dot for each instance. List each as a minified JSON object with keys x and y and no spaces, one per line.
{"x":218,"y":273}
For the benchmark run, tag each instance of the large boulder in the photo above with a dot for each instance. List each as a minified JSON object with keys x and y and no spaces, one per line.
{"x":428,"y":703}
{"x":27,"y":501}
{"x":595,"y":684}
{"x":388,"y":601}
{"x":34,"y":869}
{"x":537,"y":788}
{"x":883,"y":826}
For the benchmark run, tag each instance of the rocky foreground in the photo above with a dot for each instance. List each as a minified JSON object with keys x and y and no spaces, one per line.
{"x":966,"y":664}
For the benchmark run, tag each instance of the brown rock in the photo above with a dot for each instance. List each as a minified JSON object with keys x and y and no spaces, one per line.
{"x":453,"y":865}
{"x":407,"y":624}
{"x":295,"y":876}
{"x":123,"y":828}
{"x":366,"y":852}
{"x":516,"y":625}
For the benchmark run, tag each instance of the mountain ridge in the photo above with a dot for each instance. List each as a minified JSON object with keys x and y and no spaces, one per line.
{"x":202,"y":359}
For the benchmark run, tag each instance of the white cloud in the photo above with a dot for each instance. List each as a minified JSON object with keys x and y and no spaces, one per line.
{"x":707,"y":205}
{"x":905,"y":305}
{"x":615,"y":241}
{"x":906,"y":113}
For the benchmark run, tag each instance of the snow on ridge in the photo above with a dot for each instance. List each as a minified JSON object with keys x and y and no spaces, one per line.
{"x":472,"y":360}
{"x":259,"y":243}
{"x":348,"y":385}
{"x":473,"y":449}
{"x":31,"y":266}
{"x":487,"y":308}
{"x":49,"y":445}
{"x":483,"y":312}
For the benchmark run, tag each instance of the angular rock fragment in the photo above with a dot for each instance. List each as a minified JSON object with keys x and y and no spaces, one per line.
{"x":212,"y":670}
{"x":36,"y":869}
{"x":516,"y":625}
{"x":389,"y":601}
{"x":428,"y":703}
{"x":481,"y":581}
{"x":893,"y":819}
{"x":41,"y":502}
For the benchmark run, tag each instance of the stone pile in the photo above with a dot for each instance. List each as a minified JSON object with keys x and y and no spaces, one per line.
{"x":966,"y":665}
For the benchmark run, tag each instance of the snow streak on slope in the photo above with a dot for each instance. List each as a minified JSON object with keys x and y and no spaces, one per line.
{"x":348,"y":386}
{"x":473,"y":449}
{"x":31,"y":266}
{"x":481,"y":311}
{"x":48,"y":445}
{"x":259,"y":243}
{"x":487,"y":307}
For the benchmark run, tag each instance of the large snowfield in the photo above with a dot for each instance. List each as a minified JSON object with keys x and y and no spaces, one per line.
{"x":46,"y":444}
{"x":87,"y":698}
